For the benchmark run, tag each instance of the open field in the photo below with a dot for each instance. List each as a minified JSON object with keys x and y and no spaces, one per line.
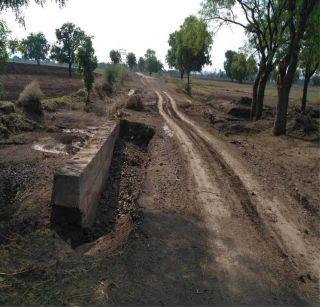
{"x":200,"y":207}
{"x":202,"y":89}
{"x":54,"y":81}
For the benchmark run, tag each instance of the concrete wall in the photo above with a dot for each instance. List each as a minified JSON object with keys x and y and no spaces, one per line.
{"x":79,"y":183}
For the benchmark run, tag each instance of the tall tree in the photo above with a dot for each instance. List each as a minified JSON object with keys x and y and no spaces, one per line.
{"x":171,"y":57}
{"x":297,"y":16}
{"x":141,"y":63}
{"x":193,"y":46}
{"x":152,"y":64}
{"x":264,"y":25}
{"x":310,"y":54}
{"x":131,"y":60}
{"x":35,"y":47}
{"x":230,"y":56}
{"x":69,"y":39}
{"x":87,"y":63}
{"x":239,"y":67}
{"x":115,"y":56}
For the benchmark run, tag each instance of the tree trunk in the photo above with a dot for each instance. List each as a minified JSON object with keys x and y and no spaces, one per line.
{"x":255,"y":94}
{"x":70,"y":70}
{"x":88,"y":97}
{"x":188,"y":83}
{"x":304,"y":95}
{"x":181,"y":75}
{"x":307,"y":76}
{"x":281,"y":115}
{"x":260,"y":95}
{"x":288,"y":65}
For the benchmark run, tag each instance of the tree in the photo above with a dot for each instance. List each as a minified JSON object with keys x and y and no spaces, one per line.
{"x":310,"y":55}
{"x":87,"y":63}
{"x":69,"y":39}
{"x":251,"y":68}
{"x":230,"y":56}
{"x":15,"y":6}
{"x":115,"y":56}
{"x":316,"y":80}
{"x":131,"y":60}
{"x":171,"y":57}
{"x":151,"y":63}
{"x":239,"y":67}
{"x":35,"y":47}
{"x":193,"y":47}
{"x":264,"y":25}
{"x":141,"y":63}
{"x":297,"y":16}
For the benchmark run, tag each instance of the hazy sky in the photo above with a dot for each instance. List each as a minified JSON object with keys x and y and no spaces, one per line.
{"x":134,"y":25}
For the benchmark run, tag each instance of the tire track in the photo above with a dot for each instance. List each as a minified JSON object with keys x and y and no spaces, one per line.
{"x":289,"y":239}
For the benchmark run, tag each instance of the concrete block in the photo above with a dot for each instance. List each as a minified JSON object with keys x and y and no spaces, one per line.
{"x":80,"y":182}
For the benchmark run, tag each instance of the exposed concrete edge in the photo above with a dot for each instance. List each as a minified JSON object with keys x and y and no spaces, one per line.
{"x":79,"y":183}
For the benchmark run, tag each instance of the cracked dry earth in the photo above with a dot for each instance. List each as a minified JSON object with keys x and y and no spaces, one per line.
{"x":214,"y":233}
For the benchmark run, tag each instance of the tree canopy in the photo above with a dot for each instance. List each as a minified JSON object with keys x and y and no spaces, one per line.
{"x":69,"y":39}
{"x":238,"y":67}
{"x":115,"y":56}
{"x":87,"y":63}
{"x":151,"y":63}
{"x":131,"y":60}
{"x":35,"y":47}
{"x":190,"y":47}
{"x":141,"y":63}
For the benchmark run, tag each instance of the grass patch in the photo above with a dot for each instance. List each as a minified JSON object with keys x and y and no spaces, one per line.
{"x":68,"y":102}
{"x":116,"y":104}
{"x":30,"y":98}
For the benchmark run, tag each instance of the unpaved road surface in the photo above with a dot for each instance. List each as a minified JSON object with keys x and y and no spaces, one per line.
{"x":216,"y":235}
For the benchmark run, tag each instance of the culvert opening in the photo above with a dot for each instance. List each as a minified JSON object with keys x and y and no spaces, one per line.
{"x":122,"y":188}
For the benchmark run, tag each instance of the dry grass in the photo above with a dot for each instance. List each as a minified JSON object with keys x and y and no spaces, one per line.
{"x":115,"y":105}
{"x":30,"y":97}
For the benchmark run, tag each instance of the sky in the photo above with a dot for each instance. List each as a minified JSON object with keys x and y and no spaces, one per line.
{"x":132,"y":25}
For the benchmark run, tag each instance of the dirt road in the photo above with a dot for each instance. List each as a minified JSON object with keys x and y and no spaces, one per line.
{"x":229,"y":239}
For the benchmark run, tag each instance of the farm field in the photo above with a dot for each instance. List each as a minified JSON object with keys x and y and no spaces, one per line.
{"x":54,"y":81}
{"x":206,"y":88}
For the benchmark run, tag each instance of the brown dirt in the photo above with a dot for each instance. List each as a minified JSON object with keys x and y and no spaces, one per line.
{"x":190,"y":217}
{"x":54,"y":81}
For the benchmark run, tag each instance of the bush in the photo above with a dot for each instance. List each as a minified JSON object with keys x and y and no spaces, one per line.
{"x":134,"y":102}
{"x":115,"y":73}
{"x":6,"y":107}
{"x":102,"y":88}
{"x":30,"y":98}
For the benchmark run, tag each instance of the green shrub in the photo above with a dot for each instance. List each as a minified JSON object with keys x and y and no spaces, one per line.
{"x":30,"y":98}
{"x":115,"y":73}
